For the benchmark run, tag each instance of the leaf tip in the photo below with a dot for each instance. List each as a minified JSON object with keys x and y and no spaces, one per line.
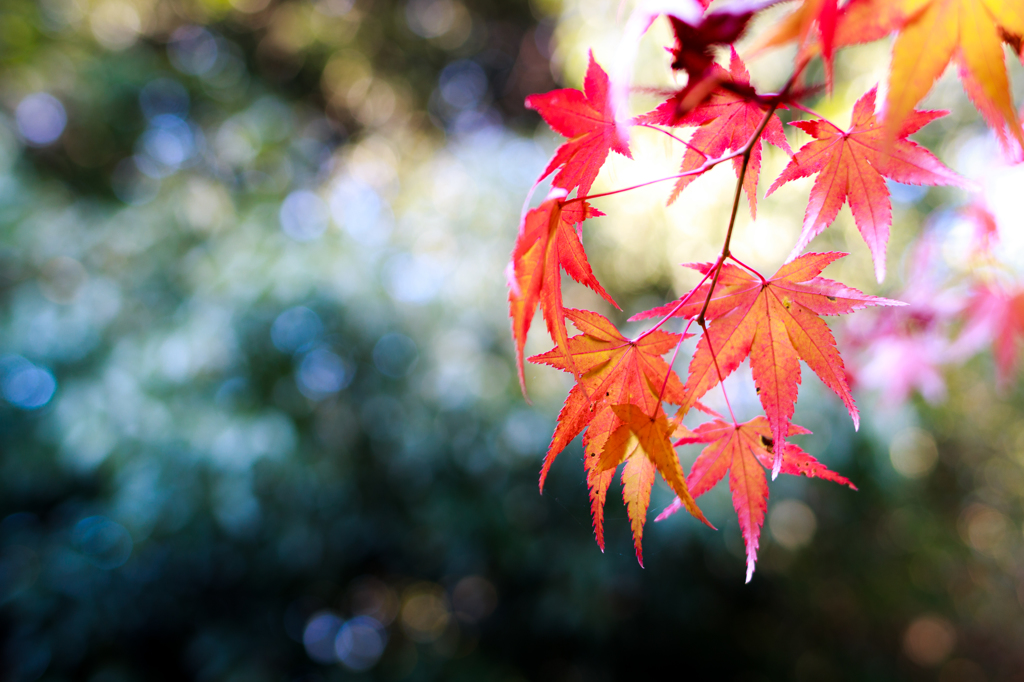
{"x":676,"y":505}
{"x":522,"y":376}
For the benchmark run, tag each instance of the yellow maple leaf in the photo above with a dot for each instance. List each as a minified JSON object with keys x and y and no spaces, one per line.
{"x":969,"y":32}
{"x":931,"y":34}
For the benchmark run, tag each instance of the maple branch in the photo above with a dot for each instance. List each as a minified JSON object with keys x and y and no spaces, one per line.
{"x":745,"y":152}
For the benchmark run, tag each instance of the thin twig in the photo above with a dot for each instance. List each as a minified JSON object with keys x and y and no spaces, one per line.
{"x":746,"y":151}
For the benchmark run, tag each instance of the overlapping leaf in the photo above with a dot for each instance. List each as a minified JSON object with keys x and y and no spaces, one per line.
{"x":725,"y":122}
{"x":931,"y":33}
{"x":642,"y":443}
{"x":997,"y":313}
{"x":587,"y":120}
{"x":744,"y":451}
{"x":851,"y":165}
{"x":798,"y":25}
{"x":776,"y":324}
{"x":548,"y":241}
{"x":617,"y":398}
{"x":693,"y":52}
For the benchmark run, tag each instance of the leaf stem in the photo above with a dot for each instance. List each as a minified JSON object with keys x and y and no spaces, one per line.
{"x":812,"y":112}
{"x":674,"y":137}
{"x":708,"y":165}
{"x":743,"y":265}
{"x":718,"y":371}
{"x":675,"y":310}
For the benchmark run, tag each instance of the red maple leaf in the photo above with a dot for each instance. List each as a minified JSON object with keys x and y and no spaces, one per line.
{"x":548,"y":240}
{"x":694,"y":50}
{"x":621,"y":384}
{"x":587,"y":120}
{"x":851,"y":165}
{"x":898,"y":351}
{"x":725,"y":122}
{"x":744,"y":451}
{"x":776,"y":323}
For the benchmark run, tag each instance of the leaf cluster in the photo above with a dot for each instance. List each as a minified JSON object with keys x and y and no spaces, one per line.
{"x":718,"y":115}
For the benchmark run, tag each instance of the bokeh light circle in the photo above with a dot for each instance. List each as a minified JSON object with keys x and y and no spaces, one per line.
{"x":360,"y":643}
{"x":41,"y":118}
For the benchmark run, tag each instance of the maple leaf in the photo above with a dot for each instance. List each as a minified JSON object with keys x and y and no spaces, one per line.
{"x":613,"y":370}
{"x":986,"y":232}
{"x":851,"y":165}
{"x":744,"y":451}
{"x":725,"y":122}
{"x":776,"y":323}
{"x":931,"y":34}
{"x":615,"y":373}
{"x":547,"y":242}
{"x":587,"y":120}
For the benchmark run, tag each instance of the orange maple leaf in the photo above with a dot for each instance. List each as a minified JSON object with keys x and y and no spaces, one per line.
{"x":850,"y":165}
{"x":548,"y":240}
{"x":621,"y":384}
{"x":969,"y":33}
{"x":776,"y":323}
{"x":744,"y":451}
{"x":587,"y":120}
{"x":643,"y":443}
{"x":725,"y":122}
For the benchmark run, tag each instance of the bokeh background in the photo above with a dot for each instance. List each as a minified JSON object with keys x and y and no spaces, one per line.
{"x":259,"y":418}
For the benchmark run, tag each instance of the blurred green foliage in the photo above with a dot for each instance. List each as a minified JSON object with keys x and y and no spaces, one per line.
{"x":259,"y":420}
